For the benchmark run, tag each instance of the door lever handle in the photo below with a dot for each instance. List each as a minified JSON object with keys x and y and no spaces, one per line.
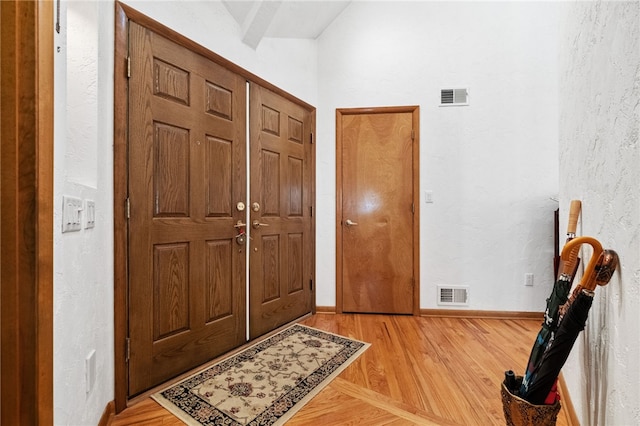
{"x":257,"y":224}
{"x":239,"y":224}
{"x":349,"y":222}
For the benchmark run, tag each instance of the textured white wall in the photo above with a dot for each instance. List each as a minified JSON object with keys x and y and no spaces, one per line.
{"x":83,"y":167}
{"x":600,"y":164}
{"x":492,"y":166}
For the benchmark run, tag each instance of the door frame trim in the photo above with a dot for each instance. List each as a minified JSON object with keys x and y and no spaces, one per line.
{"x":26,"y":194}
{"x":415,"y":111}
{"x":124,"y":14}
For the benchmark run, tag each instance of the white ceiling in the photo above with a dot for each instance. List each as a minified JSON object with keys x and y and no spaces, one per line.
{"x":284,"y":19}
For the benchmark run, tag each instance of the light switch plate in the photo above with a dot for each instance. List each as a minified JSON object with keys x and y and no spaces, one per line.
{"x":71,"y":213}
{"x":90,"y":214}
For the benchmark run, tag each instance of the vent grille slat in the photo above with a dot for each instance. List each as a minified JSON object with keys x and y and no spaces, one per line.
{"x":454,"y":97}
{"x":453,"y":295}
{"x":446,"y":97}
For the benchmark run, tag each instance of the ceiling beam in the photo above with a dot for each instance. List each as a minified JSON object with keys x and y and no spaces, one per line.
{"x":258,"y":20}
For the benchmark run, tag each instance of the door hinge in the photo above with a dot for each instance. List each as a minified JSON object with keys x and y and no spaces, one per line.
{"x":413,"y":134}
{"x":311,"y":139}
{"x":311,"y":211}
{"x":128,"y":66}
{"x":413,"y":208}
{"x":127,"y":208}
{"x":127,"y":349}
{"x":58,"y":16}
{"x":311,"y":284}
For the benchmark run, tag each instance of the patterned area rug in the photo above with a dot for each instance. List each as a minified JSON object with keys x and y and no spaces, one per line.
{"x":266,"y":383}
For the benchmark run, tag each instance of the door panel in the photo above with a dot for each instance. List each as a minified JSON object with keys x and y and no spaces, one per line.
{"x":377,"y":220}
{"x":281,"y":254}
{"x":187,"y":171}
{"x":171,"y":170}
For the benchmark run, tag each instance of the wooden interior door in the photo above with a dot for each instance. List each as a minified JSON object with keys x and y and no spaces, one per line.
{"x":282,"y":242}
{"x":187,"y":171}
{"x":377,"y":210}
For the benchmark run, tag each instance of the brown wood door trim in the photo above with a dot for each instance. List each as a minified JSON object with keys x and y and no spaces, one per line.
{"x":26,"y":190}
{"x":415,"y":110}
{"x":124,"y":14}
{"x":313,"y":210}
{"x":120,"y":194}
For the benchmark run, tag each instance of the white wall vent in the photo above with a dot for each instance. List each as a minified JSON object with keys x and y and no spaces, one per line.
{"x":453,"y":295}
{"x":454,"y":97}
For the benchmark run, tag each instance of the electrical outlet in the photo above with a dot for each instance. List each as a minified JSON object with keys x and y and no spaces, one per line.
{"x":90,"y":209}
{"x":428,"y":197}
{"x":90,"y":370}
{"x":71,"y":214}
{"x":528,"y":279}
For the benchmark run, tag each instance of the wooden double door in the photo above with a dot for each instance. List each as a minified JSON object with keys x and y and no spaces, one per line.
{"x":192,"y":227}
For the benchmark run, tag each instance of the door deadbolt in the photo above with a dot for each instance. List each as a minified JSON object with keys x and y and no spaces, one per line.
{"x":255,"y":207}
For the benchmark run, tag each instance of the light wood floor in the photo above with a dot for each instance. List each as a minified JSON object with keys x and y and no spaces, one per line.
{"x":426,"y":371}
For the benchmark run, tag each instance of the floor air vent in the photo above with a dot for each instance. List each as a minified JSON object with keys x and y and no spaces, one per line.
{"x":454,"y":97}
{"x":453,"y":296}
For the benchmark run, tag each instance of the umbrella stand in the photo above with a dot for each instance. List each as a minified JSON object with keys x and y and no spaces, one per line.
{"x":519,"y":412}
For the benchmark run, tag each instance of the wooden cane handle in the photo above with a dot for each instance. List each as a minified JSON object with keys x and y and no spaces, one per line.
{"x":578,"y":241}
{"x":569,"y":262}
{"x":570,"y":254}
{"x":588,"y":279}
{"x":574,"y":213}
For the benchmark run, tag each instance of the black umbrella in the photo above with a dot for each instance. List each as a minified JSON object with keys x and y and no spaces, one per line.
{"x":598,"y":272}
{"x":558,"y":297}
{"x":554,"y":358}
